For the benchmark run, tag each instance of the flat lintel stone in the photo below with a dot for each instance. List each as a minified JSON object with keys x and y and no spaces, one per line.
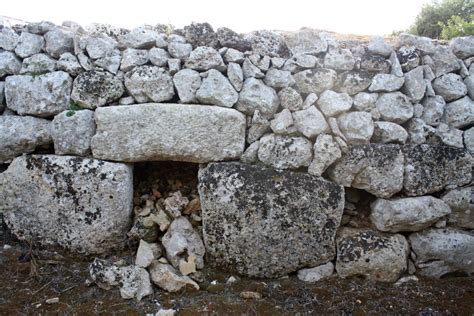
{"x":165,"y":131}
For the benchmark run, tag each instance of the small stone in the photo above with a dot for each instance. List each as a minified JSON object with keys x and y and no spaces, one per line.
{"x":310,"y":122}
{"x":310,"y":100}
{"x":235,"y":75}
{"x":233,"y":56}
{"x":326,"y":152}
{"x":146,"y":253}
{"x":250,"y":155}
{"x":433,"y":109}
{"x":388,"y":132}
{"x":407,"y":214}
{"x":339,"y":59}
{"x":290,"y":99}
{"x":374,"y":64}
{"x":38,"y":64}
{"x":258,"y":127}
{"x":59,"y":42}
{"x":140,"y":38}
{"x":174,"y":65}
{"x":187,"y":267}
{"x":459,"y":113}
{"x":364,"y":101}
{"x":217,"y":90}
{"x":469,"y":139}
{"x":251,"y":71}
{"x":462,"y":208}
{"x":200,"y":34}
{"x":284,"y":152}
{"x":167,"y":278}
{"x":317,"y":273}
{"x":353,"y":82}
{"x":68,"y":62}
{"x":255,"y":95}
{"x":175,"y":204}
{"x":357,"y":127}
{"x":469,"y":82}
{"x":180,"y":50}
{"x":133,"y":57}
{"x":8,"y":39}
{"x":229,"y":38}
{"x":96,"y":88}
{"x":158,"y":56}
{"x":332,"y":103}
{"x":53,"y":300}
{"x":377,"y":46}
{"x":386,"y":83}
{"x":394,"y":107}
{"x":462,"y":47}
{"x":149,"y":83}
{"x":283,"y":123}
{"x":9,"y":64}
{"x":249,"y":295}
{"x":187,"y":83}
{"x":450,"y":86}
{"x":315,"y":81}
{"x":29,"y":44}
{"x":301,"y":62}
{"x":396,"y":67}
{"x":450,"y":136}
{"x":72,"y":132}
{"x":279,"y":79}
{"x":205,"y":58}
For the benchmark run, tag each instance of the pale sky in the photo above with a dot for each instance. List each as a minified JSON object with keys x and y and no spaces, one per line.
{"x":363,"y":17}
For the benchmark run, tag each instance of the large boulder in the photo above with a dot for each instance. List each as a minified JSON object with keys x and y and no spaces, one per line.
{"x":22,"y":134}
{"x":376,"y":168}
{"x":407,"y":214}
{"x":370,"y":254}
{"x":82,"y":205}
{"x":266,"y":223}
{"x":431,"y":168}
{"x":179,"y":132}
{"x":43,"y":95}
{"x":453,"y":247}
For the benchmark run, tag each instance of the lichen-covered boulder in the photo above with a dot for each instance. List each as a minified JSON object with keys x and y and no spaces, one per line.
{"x":370,"y":254}
{"x":204,"y":58}
{"x":453,"y":247}
{"x":43,"y":95}
{"x":95,"y":88}
{"x":81,"y":205}
{"x":265,"y":223}
{"x":430,"y":169}
{"x":22,"y":134}
{"x":161,"y":131}
{"x":376,"y":168}
{"x":407,"y":214}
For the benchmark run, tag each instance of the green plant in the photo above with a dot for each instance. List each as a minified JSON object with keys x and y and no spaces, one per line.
{"x":436,"y":16}
{"x":74,"y":106}
{"x":457,"y":26}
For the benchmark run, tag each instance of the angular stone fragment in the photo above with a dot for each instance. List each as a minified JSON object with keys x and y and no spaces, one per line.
{"x":306,"y":42}
{"x":133,"y":57}
{"x":386,"y":83}
{"x":315,"y":81}
{"x":290,"y":99}
{"x":95,"y":88}
{"x":22,"y":134}
{"x":468,"y":137}
{"x":146,"y":253}
{"x":339,"y":59}
{"x":58,"y":42}
{"x":139,"y":37}
{"x":100,"y":45}
{"x":459,"y":113}
{"x":424,"y":44}
{"x":252,"y":217}
{"x":394,"y":107}
{"x":285,"y":152}
{"x":372,"y":255}
{"x":217,"y":90}
{"x":72,"y":132}
{"x":364,"y":101}
{"x":235,"y":75}
{"x":430,"y":168}
{"x":29,"y":44}
{"x":283,"y":123}
{"x":149,"y":83}
{"x":38,"y":64}
{"x":268,"y":43}
{"x":407,"y":214}
{"x":377,"y":46}
{"x":317,"y":273}
{"x":258,"y":127}
{"x":187,"y":82}
{"x":433,"y":109}
{"x":376,"y":168}
{"x":332,"y":103}
{"x":180,"y":50}
{"x":462,"y":47}
{"x":205,"y":58}
{"x":450,"y":86}
{"x":310,"y":122}
{"x":357,"y":127}
{"x":375,"y":64}
{"x":9,"y":64}
{"x":326,"y":152}
{"x":454,"y":247}
{"x":353,"y":82}
{"x":160,"y":131}
{"x":82,"y":205}
{"x":278,"y":79}
{"x":182,"y":241}
{"x":415,"y":85}
{"x":444,"y":61}
{"x":255,"y":95}
{"x":8,"y":39}
{"x":43,"y":95}
{"x":229,"y":38}
{"x":388,"y":132}
{"x":462,"y":207}
{"x":168,"y":279}
{"x":69,"y":63}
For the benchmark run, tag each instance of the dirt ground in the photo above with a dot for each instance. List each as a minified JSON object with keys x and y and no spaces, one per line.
{"x":29,"y":280}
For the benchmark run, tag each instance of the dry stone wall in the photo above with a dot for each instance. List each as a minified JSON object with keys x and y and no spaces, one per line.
{"x":300,"y":115}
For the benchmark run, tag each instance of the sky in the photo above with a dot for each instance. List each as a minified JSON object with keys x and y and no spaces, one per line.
{"x":362,"y":17}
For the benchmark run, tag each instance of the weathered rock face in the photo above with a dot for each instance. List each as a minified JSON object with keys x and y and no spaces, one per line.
{"x":178,"y":132}
{"x":44,"y":95}
{"x":22,"y":134}
{"x":407,"y":214}
{"x":376,"y":168}
{"x":373,"y":255}
{"x":430,"y":168}
{"x":454,"y":247}
{"x":82,"y":205}
{"x":265,"y":223}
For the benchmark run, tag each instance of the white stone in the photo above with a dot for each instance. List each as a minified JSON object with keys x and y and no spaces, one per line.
{"x":283,"y":123}
{"x":9,"y":64}
{"x":8,"y":39}
{"x":258,"y":127}
{"x":332,"y":103}
{"x":38,"y":64}
{"x":149,"y":83}
{"x":167,"y":278}
{"x":205,"y":58}
{"x":180,"y":50}
{"x":459,"y":113}
{"x":68,"y":62}
{"x":251,"y":153}
{"x":255,"y":95}
{"x":100,"y":45}
{"x":58,"y":42}
{"x":279,"y":79}
{"x":378,"y":46}
{"x":285,"y":152}
{"x":310,"y":122}
{"x":326,"y":152}
{"x":72,"y":132}
{"x":187,"y":83}
{"x":233,"y":56}
{"x":433,"y":109}
{"x":386,"y":83}
{"x":158,"y":56}
{"x":450,"y":86}
{"x":339,"y":59}
{"x":394,"y":107}
{"x":462,"y":207}
{"x":29,"y":44}
{"x":146,"y":253}
{"x":357,"y":127}
{"x":317,"y":273}
{"x":364,"y":101}
{"x":235,"y":75}
{"x":462,"y":47}
{"x":133,"y":57}
{"x":217,"y":90}
{"x":315,"y":81}
{"x":139,"y":38}
{"x":290,"y":99}
{"x":388,"y":132}
{"x":469,"y":139}
{"x":205,"y":133}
